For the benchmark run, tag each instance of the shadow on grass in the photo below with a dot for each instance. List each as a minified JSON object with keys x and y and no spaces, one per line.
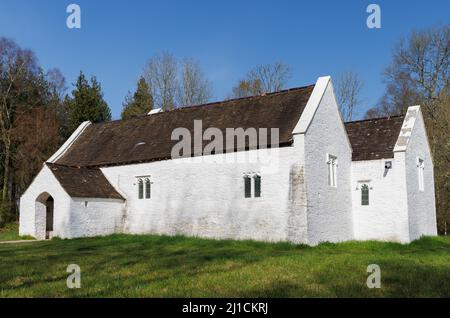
{"x":132,"y":265}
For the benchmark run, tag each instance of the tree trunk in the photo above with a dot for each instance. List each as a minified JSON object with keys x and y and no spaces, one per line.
{"x":6,"y":172}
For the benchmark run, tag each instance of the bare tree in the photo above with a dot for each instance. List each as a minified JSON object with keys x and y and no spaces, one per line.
{"x":348,"y":88}
{"x":420,"y":75}
{"x":263,"y":79}
{"x":174,"y":84}
{"x":161,"y":75}
{"x":425,"y":58}
{"x":194,"y":88}
{"x":419,"y":71}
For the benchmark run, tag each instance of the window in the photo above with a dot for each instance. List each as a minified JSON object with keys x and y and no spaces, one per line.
{"x":364,"y":194}
{"x":257,"y":179}
{"x":140,"y":189}
{"x":147,"y":188}
{"x":332,"y":168}
{"x":420,"y":170}
{"x":248,"y":186}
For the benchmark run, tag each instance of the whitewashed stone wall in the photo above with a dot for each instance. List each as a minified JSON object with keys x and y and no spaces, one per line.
{"x":398,"y":210}
{"x":421,"y":204}
{"x":329,"y":208}
{"x":386,"y":217}
{"x":204,"y":196}
{"x":71,"y":217}
{"x":32,"y":220}
{"x":207,"y":199}
{"x":94,"y":217}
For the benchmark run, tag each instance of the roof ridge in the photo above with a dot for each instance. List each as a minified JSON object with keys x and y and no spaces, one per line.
{"x":70,"y":166}
{"x":284,"y":91}
{"x":374,"y":119}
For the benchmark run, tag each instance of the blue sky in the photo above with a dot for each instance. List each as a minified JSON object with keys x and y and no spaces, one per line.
{"x":226,"y":37}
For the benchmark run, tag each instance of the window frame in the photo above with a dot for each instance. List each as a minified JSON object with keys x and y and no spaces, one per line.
{"x":140,"y":188}
{"x":420,"y":173}
{"x":247,"y":186}
{"x":257,"y":190}
{"x":147,"y":188}
{"x":365,"y":187}
{"x":332,"y":164}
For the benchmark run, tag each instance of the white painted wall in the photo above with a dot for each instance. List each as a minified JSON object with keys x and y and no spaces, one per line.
{"x":329,"y":208}
{"x":71,"y":218}
{"x":386,"y":217}
{"x":207,"y":199}
{"x":95,"y":217}
{"x":421,"y":204}
{"x":32,"y":220}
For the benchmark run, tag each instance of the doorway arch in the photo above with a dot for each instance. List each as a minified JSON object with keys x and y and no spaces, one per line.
{"x":44,"y":215}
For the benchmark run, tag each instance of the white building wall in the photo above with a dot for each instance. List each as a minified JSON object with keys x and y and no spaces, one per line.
{"x":71,"y":218}
{"x":421,"y":204}
{"x":329,"y":208}
{"x":385,"y":218}
{"x":95,"y":217}
{"x":206,"y":199}
{"x":32,"y":219}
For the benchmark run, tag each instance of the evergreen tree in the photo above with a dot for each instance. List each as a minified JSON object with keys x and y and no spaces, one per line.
{"x":87,"y":103}
{"x":140,"y":103}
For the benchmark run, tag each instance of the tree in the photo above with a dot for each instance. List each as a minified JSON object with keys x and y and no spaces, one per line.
{"x":246,"y":88}
{"x":87,"y":103}
{"x":22,"y":86}
{"x":194,"y":88}
{"x":140,"y":103}
{"x":36,"y":135}
{"x":161,"y":74}
{"x":419,"y":74}
{"x":58,"y":88}
{"x":28,"y":98}
{"x":263,"y":79}
{"x":175,"y":84}
{"x":348,"y":88}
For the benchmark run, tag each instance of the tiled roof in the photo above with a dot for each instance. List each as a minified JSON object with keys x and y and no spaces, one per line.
{"x":148,"y":138}
{"x":84,"y":182}
{"x":374,"y":138}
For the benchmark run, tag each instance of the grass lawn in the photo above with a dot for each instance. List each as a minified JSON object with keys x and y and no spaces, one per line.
{"x":10,"y":232}
{"x":149,"y":266}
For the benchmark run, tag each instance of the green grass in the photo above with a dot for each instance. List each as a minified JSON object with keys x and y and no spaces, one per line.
{"x":10,"y":232}
{"x":161,"y":266}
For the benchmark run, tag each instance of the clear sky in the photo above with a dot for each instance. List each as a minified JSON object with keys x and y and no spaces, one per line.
{"x":226,"y":37}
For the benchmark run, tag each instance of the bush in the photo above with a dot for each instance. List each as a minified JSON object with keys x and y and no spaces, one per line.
{"x":5,"y":213}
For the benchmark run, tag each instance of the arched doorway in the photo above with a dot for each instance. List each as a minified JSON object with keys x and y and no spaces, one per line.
{"x":49,"y":217}
{"x":44,"y":215}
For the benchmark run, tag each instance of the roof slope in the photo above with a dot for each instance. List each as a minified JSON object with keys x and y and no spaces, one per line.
{"x":84,"y":182}
{"x":374,"y":138}
{"x":148,"y":138}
